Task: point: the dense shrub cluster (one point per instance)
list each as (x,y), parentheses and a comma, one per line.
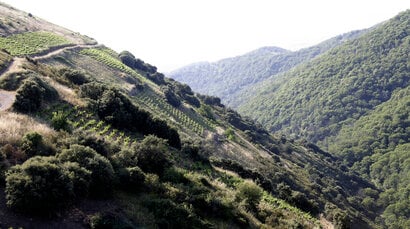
(40,185)
(129,59)
(32,93)
(72,76)
(153,155)
(102,173)
(32,144)
(211,100)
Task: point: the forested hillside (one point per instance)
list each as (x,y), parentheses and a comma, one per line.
(92,138)
(353,101)
(232,78)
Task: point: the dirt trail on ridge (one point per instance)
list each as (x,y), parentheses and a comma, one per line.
(7,97)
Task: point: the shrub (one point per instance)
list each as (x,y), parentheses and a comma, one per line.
(102,173)
(171,97)
(191,99)
(101,146)
(59,121)
(32,93)
(157,78)
(127,58)
(108,220)
(125,158)
(171,215)
(12,81)
(38,186)
(4,165)
(92,90)
(131,178)
(32,144)
(152,155)
(250,192)
(80,177)
(74,76)
(161,129)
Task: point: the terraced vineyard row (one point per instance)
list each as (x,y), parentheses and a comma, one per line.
(190,122)
(108,57)
(85,121)
(31,42)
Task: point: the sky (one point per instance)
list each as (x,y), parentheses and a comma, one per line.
(172,33)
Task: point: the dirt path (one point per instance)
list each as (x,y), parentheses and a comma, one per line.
(6,99)
(60,50)
(15,66)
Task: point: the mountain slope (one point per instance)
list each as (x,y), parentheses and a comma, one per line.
(353,101)
(230,78)
(341,85)
(96,138)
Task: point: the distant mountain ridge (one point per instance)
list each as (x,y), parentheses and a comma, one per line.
(230,78)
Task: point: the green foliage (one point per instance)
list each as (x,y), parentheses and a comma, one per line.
(31,42)
(171,97)
(39,186)
(59,121)
(250,192)
(32,93)
(153,155)
(231,78)
(5,59)
(131,178)
(171,215)
(32,144)
(102,173)
(12,81)
(230,134)
(129,59)
(72,76)
(316,99)
(108,220)
(106,56)
(116,109)
(79,176)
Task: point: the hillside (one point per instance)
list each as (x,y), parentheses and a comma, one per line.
(231,78)
(353,102)
(91,138)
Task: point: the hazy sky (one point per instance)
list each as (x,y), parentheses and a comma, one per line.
(173,33)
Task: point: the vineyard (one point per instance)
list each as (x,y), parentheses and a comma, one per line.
(31,42)
(150,100)
(80,119)
(110,58)
(189,121)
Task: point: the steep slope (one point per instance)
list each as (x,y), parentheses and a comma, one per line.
(230,78)
(353,101)
(340,86)
(96,139)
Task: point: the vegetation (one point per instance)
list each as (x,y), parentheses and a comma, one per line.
(32,93)
(353,105)
(231,78)
(31,42)
(131,148)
